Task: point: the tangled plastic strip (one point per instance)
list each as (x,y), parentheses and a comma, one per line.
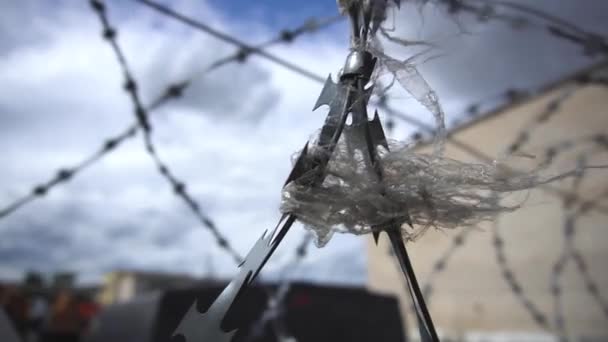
(436,191)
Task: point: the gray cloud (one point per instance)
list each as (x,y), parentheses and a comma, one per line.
(64,97)
(479,61)
(230,137)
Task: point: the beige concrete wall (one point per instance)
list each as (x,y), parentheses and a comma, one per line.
(471,295)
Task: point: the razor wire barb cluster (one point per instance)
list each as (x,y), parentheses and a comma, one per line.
(175,90)
(142,114)
(574,205)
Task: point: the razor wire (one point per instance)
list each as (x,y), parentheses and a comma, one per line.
(458,241)
(174,91)
(393,113)
(272,313)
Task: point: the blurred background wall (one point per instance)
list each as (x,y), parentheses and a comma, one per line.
(470,293)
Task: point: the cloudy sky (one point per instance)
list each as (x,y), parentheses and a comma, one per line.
(232,135)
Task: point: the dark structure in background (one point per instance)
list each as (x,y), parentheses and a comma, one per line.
(312,314)
(7,331)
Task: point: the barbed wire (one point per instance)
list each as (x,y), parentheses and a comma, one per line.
(516,288)
(523,137)
(393,113)
(131,88)
(516,96)
(558,267)
(172,92)
(175,91)
(590,283)
(65,174)
(442,262)
(458,241)
(567,249)
(243,46)
(551,109)
(275,301)
(591,43)
(569,252)
(598,141)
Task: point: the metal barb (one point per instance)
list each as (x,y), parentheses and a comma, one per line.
(308,168)
(207,328)
(347,97)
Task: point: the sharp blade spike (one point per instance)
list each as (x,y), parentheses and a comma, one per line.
(328,93)
(377,132)
(197,327)
(376,236)
(300,167)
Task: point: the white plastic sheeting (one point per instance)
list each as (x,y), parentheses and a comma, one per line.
(435,191)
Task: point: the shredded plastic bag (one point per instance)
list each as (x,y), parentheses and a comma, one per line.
(434,191)
(428,190)
(411,80)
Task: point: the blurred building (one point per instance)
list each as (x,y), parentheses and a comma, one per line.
(309,313)
(122,286)
(470,296)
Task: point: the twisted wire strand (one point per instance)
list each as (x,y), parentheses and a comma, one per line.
(312,76)
(515,285)
(198,25)
(571,253)
(551,152)
(172,92)
(528,16)
(178,186)
(569,224)
(568,231)
(441,264)
(66,174)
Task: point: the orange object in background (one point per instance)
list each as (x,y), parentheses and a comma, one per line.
(64,316)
